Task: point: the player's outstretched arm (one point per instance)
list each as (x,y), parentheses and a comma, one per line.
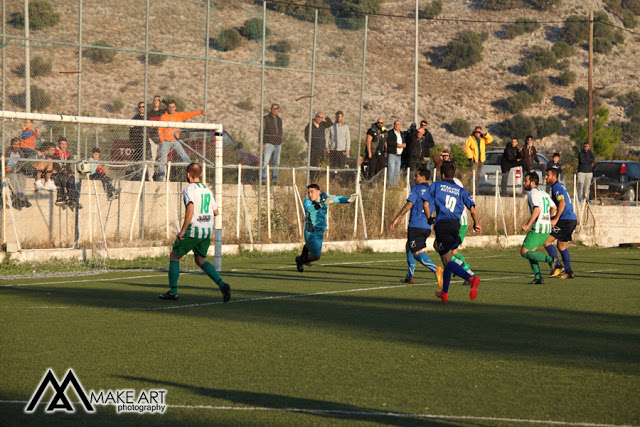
(336,199)
(474,216)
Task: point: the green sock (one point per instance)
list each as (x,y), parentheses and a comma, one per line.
(533,258)
(212,272)
(174,273)
(537,256)
(459,259)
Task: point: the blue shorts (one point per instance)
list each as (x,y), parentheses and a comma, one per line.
(417,239)
(447,235)
(314,243)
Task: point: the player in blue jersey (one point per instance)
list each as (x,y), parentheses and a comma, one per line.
(449,200)
(315,214)
(419,229)
(563,224)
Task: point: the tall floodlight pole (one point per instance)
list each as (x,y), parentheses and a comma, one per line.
(415,72)
(591,80)
(27,61)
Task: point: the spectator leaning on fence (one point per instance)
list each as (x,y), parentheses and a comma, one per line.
(475,149)
(64,177)
(376,147)
(271,142)
(427,143)
(29,134)
(586,159)
(168,136)
(511,158)
(338,139)
(16,179)
(395,146)
(154,113)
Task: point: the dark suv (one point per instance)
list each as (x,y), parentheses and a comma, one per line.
(616,179)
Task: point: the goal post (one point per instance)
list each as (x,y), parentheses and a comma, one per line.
(49,227)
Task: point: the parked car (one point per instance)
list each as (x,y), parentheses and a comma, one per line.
(616,179)
(487,180)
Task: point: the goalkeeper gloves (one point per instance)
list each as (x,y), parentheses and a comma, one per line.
(353,197)
(331,200)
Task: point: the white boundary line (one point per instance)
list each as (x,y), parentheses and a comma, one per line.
(371,414)
(83,280)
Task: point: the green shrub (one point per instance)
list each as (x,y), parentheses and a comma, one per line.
(538,84)
(501,4)
(40,99)
(252,29)
(463,52)
(631,97)
(228,39)
(38,67)
(551,125)
(283,46)
(156,58)
(631,130)
(605,137)
(116,105)
(351,12)
(519,102)
(98,54)
(576,29)
(629,20)
(617,38)
(602,45)
(614,5)
(432,10)
(632,6)
(282,60)
(41,15)
(581,99)
(518,126)
(562,49)
(545,57)
(461,128)
(545,4)
(521,26)
(564,65)
(246,104)
(634,111)
(308,11)
(529,66)
(459,158)
(567,77)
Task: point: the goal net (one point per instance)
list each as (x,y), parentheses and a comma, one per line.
(123,214)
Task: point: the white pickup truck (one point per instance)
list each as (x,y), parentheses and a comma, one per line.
(487,180)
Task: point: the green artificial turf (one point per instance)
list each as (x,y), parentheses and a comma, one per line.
(342,343)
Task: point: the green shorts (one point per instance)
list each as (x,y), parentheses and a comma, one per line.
(188,244)
(533,240)
(463,232)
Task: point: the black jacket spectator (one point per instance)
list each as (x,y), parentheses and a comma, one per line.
(585,161)
(272,128)
(392,143)
(511,157)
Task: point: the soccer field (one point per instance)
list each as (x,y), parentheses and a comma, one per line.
(343,343)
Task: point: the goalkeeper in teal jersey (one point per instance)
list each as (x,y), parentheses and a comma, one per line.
(315,222)
(195,234)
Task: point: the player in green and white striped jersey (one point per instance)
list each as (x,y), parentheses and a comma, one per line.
(539,225)
(195,235)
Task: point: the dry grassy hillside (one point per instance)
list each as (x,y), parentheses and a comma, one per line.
(234,82)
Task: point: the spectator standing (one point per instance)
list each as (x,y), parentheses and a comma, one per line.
(153,137)
(319,126)
(415,149)
(475,150)
(338,139)
(16,179)
(64,177)
(376,147)
(98,174)
(511,158)
(168,136)
(28,135)
(586,159)
(427,143)
(272,134)
(555,164)
(439,160)
(529,153)
(395,145)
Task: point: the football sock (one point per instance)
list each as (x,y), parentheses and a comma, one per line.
(456,269)
(537,256)
(459,259)
(446,280)
(566,259)
(551,250)
(411,262)
(305,251)
(174,273)
(426,261)
(212,272)
(536,268)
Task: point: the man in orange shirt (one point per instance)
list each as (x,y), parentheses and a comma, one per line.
(168,136)
(28,136)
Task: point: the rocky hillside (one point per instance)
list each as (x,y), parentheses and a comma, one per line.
(475,94)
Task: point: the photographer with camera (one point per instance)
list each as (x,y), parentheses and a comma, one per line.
(474,149)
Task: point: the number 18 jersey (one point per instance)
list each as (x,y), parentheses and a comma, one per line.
(448,199)
(201,225)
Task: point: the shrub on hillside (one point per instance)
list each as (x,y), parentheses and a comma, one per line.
(602,45)
(529,66)
(461,128)
(98,54)
(283,46)
(38,67)
(539,59)
(581,99)
(156,58)
(631,97)
(501,4)
(432,10)
(538,84)
(567,77)
(228,39)
(252,29)
(550,126)
(518,126)
(562,49)
(351,12)
(463,52)
(308,11)
(282,60)
(41,15)
(634,111)
(575,29)
(631,130)
(519,102)
(40,99)
(116,105)
(629,20)
(521,26)
(632,6)
(545,4)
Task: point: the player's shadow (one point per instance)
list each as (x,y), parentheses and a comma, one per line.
(319,408)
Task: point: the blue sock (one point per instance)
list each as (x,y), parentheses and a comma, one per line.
(446,279)
(551,250)
(411,262)
(456,269)
(426,261)
(566,259)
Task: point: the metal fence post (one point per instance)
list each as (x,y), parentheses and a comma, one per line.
(261,134)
